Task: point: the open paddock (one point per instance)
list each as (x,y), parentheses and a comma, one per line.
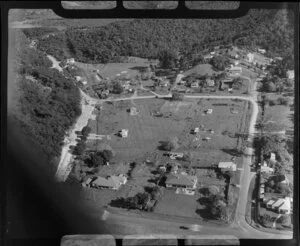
(178,118)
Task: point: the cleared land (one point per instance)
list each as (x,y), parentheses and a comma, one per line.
(178,119)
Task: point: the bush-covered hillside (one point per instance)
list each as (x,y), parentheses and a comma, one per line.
(270,29)
(48,102)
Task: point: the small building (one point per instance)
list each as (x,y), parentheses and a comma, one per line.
(78,78)
(278,58)
(290,74)
(262,51)
(209,111)
(70,61)
(250,57)
(266,169)
(195,84)
(196,130)
(182,181)
(175,155)
(124,133)
(110,182)
(84,82)
(229,166)
(133,111)
(272,157)
(210,82)
(207,57)
(212,53)
(234,70)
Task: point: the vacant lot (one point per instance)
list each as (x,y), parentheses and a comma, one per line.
(201,69)
(178,205)
(280,114)
(111,70)
(177,120)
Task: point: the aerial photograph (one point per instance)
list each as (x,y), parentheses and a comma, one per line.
(180,127)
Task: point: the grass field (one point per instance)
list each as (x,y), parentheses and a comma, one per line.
(146,131)
(201,69)
(178,205)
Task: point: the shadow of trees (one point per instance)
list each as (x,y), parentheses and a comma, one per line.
(233,152)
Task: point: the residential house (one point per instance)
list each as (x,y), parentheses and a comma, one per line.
(124,133)
(70,61)
(227,166)
(234,70)
(278,58)
(78,78)
(195,84)
(280,205)
(265,169)
(290,74)
(250,57)
(175,155)
(182,181)
(84,82)
(207,57)
(209,111)
(196,130)
(262,51)
(110,182)
(210,82)
(133,111)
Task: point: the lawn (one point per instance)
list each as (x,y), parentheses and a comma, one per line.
(280,114)
(201,69)
(146,131)
(178,205)
(110,70)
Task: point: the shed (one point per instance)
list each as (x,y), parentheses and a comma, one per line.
(227,166)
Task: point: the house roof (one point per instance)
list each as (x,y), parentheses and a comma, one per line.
(278,203)
(226,164)
(181,179)
(111,181)
(286,205)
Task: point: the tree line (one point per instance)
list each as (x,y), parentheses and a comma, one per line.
(150,38)
(49,102)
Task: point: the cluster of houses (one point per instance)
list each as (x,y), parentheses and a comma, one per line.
(278,204)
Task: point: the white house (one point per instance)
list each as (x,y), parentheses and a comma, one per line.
(182,181)
(133,111)
(195,84)
(272,157)
(280,205)
(110,182)
(175,155)
(84,82)
(227,166)
(250,57)
(290,74)
(262,51)
(210,82)
(265,169)
(78,78)
(124,133)
(70,61)
(196,130)
(209,111)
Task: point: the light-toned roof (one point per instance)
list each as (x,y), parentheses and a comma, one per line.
(226,164)
(180,179)
(286,205)
(278,203)
(112,182)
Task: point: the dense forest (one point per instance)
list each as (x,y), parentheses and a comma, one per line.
(147,38)
(48,102)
